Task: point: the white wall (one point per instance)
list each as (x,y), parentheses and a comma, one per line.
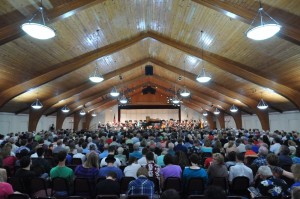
(288,121)
(190,114)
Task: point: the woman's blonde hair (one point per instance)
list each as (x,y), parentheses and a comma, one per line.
(6,150)
(230,144)
(92,160)
(296,171)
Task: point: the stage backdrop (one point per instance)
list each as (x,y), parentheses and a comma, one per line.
(141,114)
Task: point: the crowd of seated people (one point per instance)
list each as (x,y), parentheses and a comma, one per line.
(268,161)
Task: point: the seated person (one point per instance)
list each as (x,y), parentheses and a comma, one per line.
(170,194)
(110,160)
(214,192)
(141,186)
(61,170)
(194,171)
(90,168)
(170,170)
(217,168)
(109,186)
(24,173)
(269,185)
(240,169)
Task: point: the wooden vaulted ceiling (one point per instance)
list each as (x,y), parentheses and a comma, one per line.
(136,33)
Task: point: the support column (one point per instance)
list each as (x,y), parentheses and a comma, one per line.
(87,122)
(34,117)
(263,117)
(210,120)
(60,118)
(237,119)
(77,119)
(221,119)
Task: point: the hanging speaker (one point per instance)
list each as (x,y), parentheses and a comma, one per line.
(148,70)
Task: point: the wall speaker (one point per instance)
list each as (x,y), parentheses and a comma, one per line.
(148,70)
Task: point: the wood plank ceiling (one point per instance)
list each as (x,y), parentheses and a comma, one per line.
(162,33)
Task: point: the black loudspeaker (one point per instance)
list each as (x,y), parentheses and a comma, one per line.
(148,70)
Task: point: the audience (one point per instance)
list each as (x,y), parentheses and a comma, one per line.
(132,168)
(90,168)
(170,170)
(110,161)
(109,186)
(240,169)
(217,168)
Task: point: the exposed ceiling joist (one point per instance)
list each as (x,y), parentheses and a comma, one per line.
(13,31)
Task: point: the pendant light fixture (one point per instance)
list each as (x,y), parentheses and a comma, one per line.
(203,77)
(185,92)
(123,99)
(96,76)
(37,104)
(204,114)
(114,92)
(262,105)
(263,30)
(216,111)
(175,99)
(65,109)
(82,112)
(233,109)
(94,114)
(38,30)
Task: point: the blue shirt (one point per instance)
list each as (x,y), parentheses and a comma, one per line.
(141,186)
(194,173)
(136,154)
(104,171)
(104,154)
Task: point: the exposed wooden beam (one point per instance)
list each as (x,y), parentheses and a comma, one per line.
(13,31)
(94,97)
(233,67)
(86,85)
(67,67)
(288,32)
(215,87)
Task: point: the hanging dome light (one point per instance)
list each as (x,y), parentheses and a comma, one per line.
(82,112)
(37,104)
(263,31)
(233,109)
(185,92)
(123,99)
(216,112)
(262,105)
(175,100)
(204,114)
(94,114)
(38,30)
(203,77)
(114,92)
(96,76)
(65,109)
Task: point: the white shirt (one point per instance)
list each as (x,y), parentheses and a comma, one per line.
(240,170)
(131,170)
(79,155)
(142,161)
(241,148)
(275,148)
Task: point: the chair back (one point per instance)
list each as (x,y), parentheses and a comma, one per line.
(17,184)
(83,187)
(195,186)
(107,197)
(156,184)
(240,185)
(262,197)
(172,183)
(76,161)
(18,196)
(220,182)
(124,183)
(234,197)
(60,185)
(38,187)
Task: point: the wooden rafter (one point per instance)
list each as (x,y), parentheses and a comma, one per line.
(288,32)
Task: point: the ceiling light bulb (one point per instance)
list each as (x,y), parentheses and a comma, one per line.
(65,109)
(114,92)
(263,31)
(233,109)
(94,114)
(82,112)
(37,104)
(123,100)
(175,100)
(262,105)
(185,92)
(38,30)
(96,76)
(205,113)
(203,77)
(216,112)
